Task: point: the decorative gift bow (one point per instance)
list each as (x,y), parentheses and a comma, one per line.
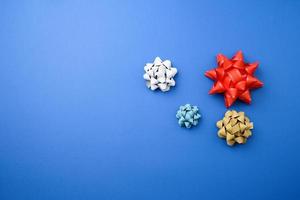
(234,77)
(160,74)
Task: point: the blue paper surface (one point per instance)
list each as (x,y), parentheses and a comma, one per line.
(78,122)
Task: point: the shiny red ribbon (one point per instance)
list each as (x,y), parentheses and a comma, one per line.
(234,78)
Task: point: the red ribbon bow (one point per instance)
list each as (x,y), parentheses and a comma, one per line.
(234,78)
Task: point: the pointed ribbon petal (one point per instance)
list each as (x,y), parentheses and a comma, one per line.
(217,88)
(212,74)
(238,56)
(250,69)
(253,82)
(246,97)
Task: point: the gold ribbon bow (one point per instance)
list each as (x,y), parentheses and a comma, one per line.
(235,127)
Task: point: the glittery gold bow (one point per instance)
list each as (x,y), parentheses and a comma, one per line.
(235,127)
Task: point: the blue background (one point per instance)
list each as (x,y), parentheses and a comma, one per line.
(77,121)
